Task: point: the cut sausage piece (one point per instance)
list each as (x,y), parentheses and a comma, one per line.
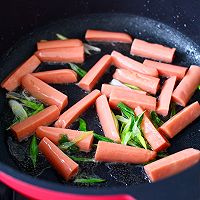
(13,80)
(44,92)
(106,119)
(132,100)
(63,55)
(107,89)
(55,134)
(95,73)
(27,127)
(107,36)
(124,62)
(64,165)
(59,44)
(112,152)
(165,96)
(151,134)
(144,82)
(172,164)
(69,116)
(182,119)
(59,76)
(152,51)
(187,86)
(167,70)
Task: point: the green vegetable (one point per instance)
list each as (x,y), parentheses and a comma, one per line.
(89,180)
(18,110)
(173,109)
(78,70)
(132,86)
(115,120)
(162,154)
(125,110)
(82,125)
(79,159)
(89,48)
(68,146)
(102,138)
(126,133)
(33,150)
(155,119)
(40,108)
(122,119)
(199,87)
(61,37)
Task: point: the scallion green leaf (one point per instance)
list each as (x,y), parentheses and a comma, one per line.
(61,37)
(115,120)
(199,87)
(89,180)
(156,120)
(132,86)
(102,138)
(33,150)
(173,109)
(89,48)
(125,110)
(78,70)
(82,125)
(79,159)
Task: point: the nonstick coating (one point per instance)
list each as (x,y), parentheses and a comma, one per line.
(139,27)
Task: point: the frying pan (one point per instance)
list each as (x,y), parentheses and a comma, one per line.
(172,23)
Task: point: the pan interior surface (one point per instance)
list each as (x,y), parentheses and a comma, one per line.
(15,154)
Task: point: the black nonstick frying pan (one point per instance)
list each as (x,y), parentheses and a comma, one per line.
(171,23)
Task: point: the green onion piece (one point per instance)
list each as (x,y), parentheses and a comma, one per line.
(125,110)
(68,146)
(82,125)
(18,110)
(79,159)
(199,87)
(115,120)
(102,138)
(162,154)
(78,70)
(156,120)
(132,86)
(89,180)
(40,108)
(122,119)
(173,109)
(33,150)
(63,139)
(89,48)
(61,37)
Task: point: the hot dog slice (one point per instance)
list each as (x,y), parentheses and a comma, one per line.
(65,55)
(154,138)
(132,100)
(59,44)
(64,165)
(106,119)
(152,51)
(144,82)
(124,62)
(182,119)
(26,128)
(165,96)
(172,164)
(167,70)
(55,134)
(44,92)
(107,89)
(57,76)
(69,116)
(112,152)
(187,86)
(107,36)
(95,73)
(13,80)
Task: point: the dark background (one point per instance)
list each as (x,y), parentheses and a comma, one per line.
(19,17)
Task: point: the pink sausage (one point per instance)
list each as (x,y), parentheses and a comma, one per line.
(151,134)
(54,134)
(106,119)
(132,100)
(95,73)
(124,62)
(107,89)
(107,36)
(13,80)
(167,70)
(172,164)
(144,82)
(69,116)
(59,76)
(187,86)
(179,121)
(44,92)
(152,51)
(165,96)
